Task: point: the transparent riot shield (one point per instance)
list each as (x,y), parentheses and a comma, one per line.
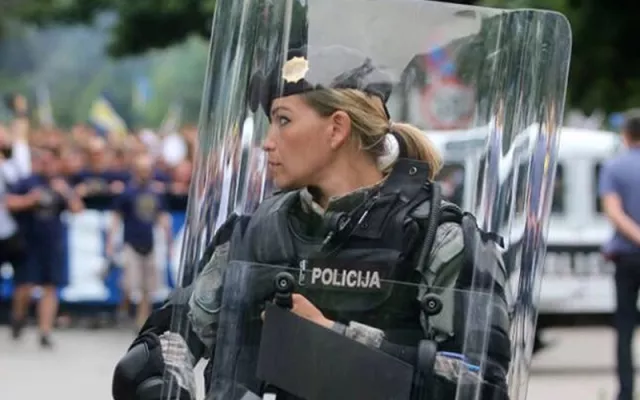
(290,333)
(493,79)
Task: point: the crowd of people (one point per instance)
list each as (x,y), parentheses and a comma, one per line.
(46,171)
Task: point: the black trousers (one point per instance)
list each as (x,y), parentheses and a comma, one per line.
(627,280)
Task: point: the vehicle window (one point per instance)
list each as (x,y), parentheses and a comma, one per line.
(480,180)
(559,191)
(596,180)
(451,179)
(521,187)
(503,196)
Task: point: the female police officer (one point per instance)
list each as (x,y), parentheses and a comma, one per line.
(358,197)
(381,290)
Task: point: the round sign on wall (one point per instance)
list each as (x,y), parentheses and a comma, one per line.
(448,104)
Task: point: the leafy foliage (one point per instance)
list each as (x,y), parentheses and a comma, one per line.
(605,68)
(71,63)
(142,24)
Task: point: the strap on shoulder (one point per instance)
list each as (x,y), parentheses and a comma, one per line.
(432,223)
(450,212)
(223,235)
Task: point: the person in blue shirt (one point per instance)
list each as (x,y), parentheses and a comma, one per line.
(122,158)
(99,182)
(619,188)
(138,210)
(42,198)
(15,164)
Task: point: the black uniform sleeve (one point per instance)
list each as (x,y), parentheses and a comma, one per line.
(138,375)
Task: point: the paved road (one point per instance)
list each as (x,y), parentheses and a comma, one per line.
(578,366)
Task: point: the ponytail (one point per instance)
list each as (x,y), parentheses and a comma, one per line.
(418,147)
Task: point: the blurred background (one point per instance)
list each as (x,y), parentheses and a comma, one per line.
(90,87)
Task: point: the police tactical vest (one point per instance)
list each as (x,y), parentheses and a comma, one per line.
(346,270)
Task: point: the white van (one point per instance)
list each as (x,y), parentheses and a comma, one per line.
(577,280)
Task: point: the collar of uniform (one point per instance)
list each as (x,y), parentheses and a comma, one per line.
(344,203)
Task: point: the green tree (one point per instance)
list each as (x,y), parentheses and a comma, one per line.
(605,64)
(178,75)
(605,67)
(142,24)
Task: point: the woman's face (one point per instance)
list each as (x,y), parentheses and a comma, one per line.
(300,143)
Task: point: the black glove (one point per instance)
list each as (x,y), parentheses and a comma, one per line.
(139,374)
(140,371)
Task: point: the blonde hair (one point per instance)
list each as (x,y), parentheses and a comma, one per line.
(369,125)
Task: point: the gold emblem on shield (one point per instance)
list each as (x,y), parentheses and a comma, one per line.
(295,69)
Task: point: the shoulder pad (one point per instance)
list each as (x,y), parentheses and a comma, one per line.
(281,191)
(223,235)
(224,232)
(270,216)
(275,202)
(485,236)
(272,205)
(481,255)
(450,212)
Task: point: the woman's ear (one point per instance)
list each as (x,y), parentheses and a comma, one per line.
(340,129)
